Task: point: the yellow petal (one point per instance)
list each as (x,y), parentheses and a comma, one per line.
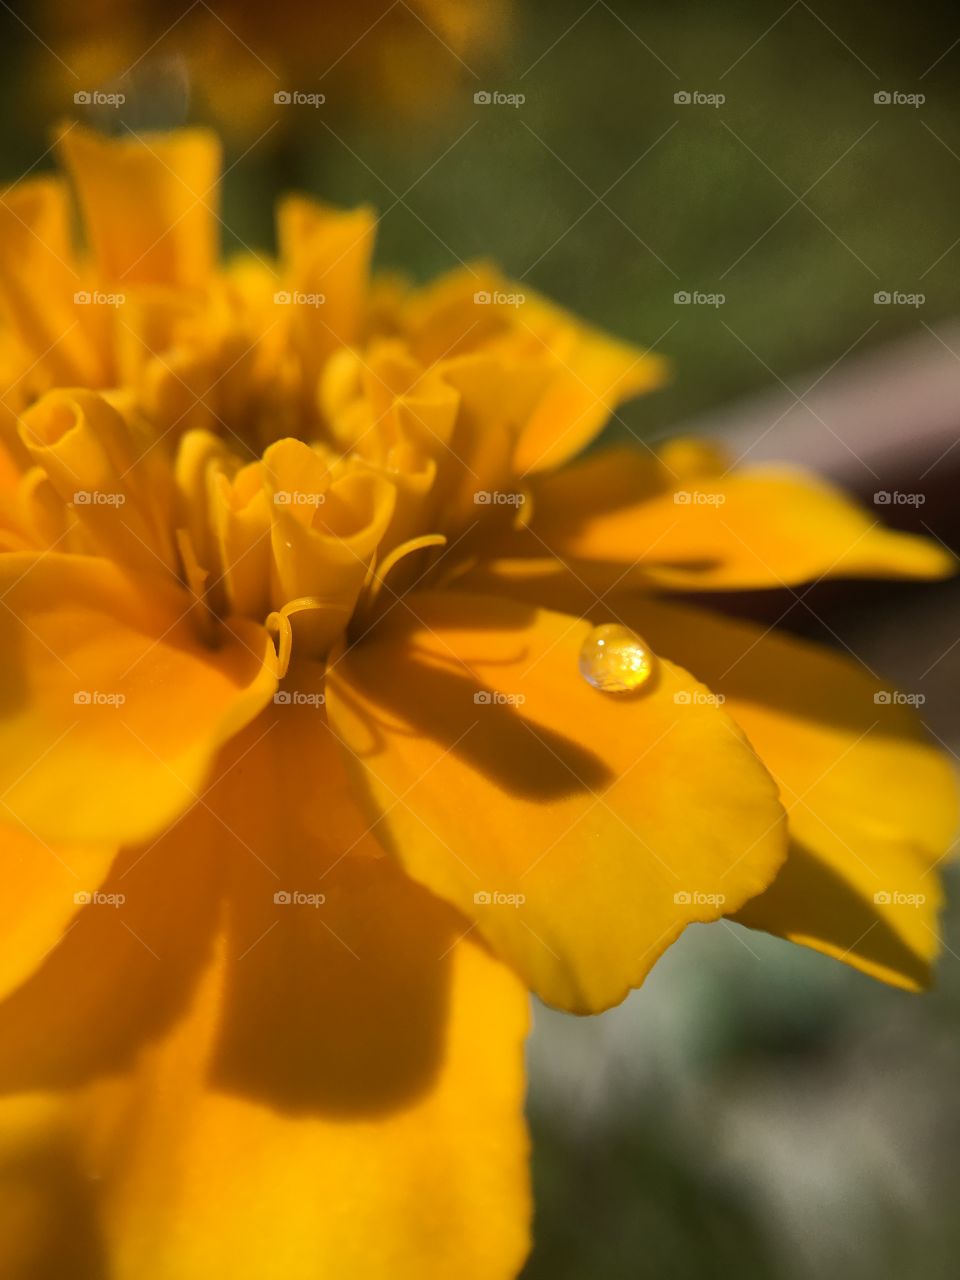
(325,258)
(592,378)
(582,830)
(47,1225)
(871,801)
(568,376)
(149,203)
(44,888)
(38,281)
(113,707)
(753,528)
(116,485)
(343,1093)
(324,536)
(359,1115)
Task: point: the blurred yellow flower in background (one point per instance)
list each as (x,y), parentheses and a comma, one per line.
(374,56)
(309,766)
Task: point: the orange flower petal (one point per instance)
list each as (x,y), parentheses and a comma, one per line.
(346,1080)
(44,887)
(149,203)
(757,527)
(871,801)
(113,707)
(583,831)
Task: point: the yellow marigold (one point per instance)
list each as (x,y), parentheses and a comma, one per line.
(245,60)
(342,708)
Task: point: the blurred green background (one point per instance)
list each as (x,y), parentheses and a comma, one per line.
(755,1110)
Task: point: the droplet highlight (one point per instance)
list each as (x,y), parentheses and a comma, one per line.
(614,659)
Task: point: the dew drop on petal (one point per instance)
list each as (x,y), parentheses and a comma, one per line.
(615,660)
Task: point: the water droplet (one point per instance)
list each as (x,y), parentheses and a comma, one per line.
(615,660)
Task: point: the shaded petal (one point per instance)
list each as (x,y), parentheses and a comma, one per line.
(47,1214)
(871,801)
(38,282)
(645,519)
(592,379)
(43,890)
(402,1153)
(113,708)
(325,253)
(342,1093)
(149,203)
(582,830)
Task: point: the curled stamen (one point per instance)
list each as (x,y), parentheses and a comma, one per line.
(378,577)
(278,624)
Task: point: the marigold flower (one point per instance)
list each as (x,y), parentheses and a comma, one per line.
(246,61)
(344,707)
